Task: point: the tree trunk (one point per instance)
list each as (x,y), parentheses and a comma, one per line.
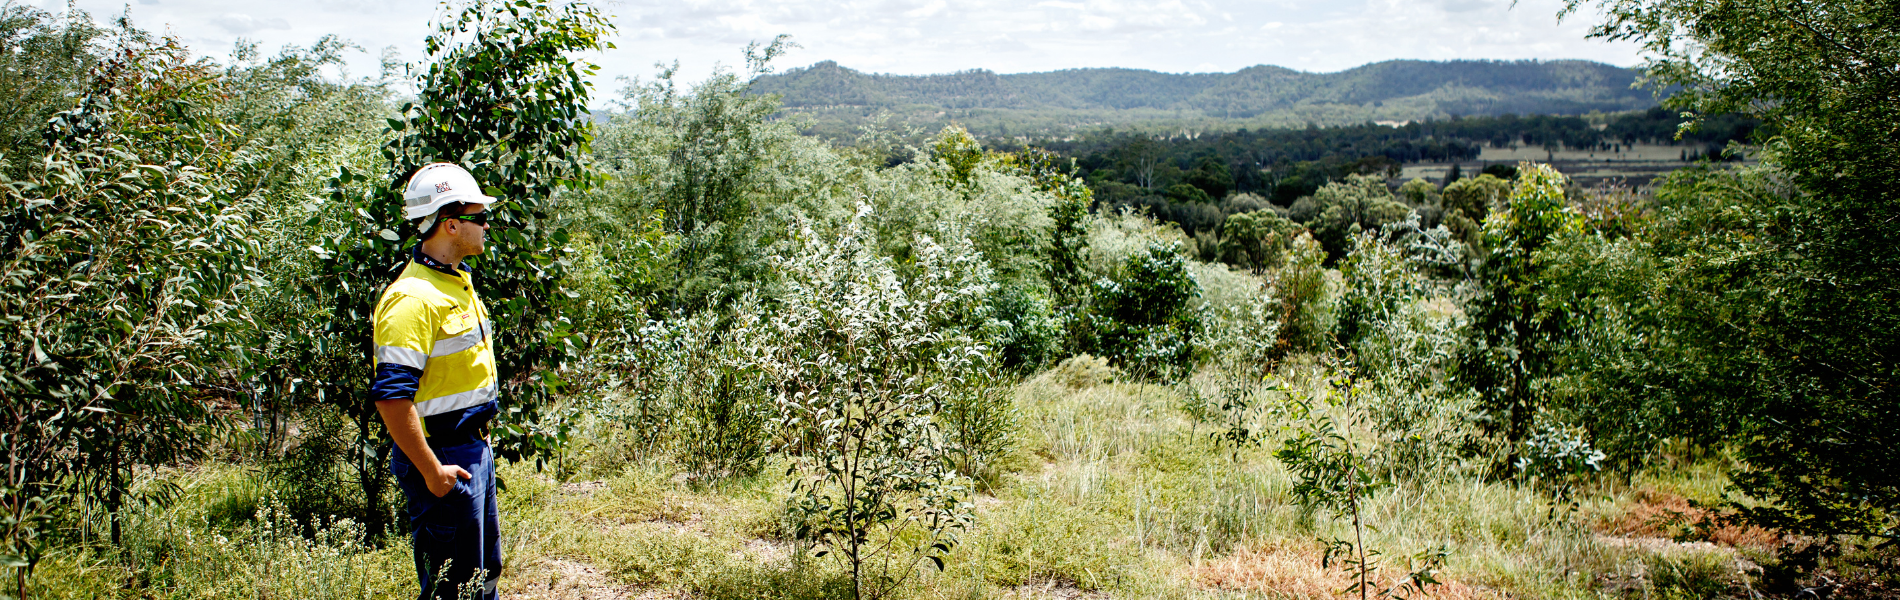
(370,456)
(115,488)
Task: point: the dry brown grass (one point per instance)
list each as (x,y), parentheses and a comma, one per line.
(1653,513)
(1296,572)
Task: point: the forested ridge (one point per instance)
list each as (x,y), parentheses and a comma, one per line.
(739,358)
(1059,102)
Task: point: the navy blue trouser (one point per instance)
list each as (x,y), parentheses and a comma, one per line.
(461,528)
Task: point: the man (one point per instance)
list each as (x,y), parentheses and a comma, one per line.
(436,387)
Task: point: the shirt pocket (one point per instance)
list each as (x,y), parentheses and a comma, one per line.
(459,323)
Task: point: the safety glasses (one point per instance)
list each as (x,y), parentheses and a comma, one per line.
(480,218)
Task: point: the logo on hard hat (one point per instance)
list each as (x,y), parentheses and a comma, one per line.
(441,187)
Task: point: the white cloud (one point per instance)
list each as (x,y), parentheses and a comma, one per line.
(242,24)
(938,36)
(927,10)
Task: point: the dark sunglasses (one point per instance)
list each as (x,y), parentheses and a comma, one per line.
(480,218)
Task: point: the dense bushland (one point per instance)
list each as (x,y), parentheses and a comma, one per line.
(931,370)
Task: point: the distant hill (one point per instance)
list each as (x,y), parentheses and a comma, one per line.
(838,99)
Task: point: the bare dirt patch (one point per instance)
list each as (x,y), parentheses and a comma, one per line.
(1050,588)
(562,579)
(583,488)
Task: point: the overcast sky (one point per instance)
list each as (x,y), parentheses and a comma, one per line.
(940,36)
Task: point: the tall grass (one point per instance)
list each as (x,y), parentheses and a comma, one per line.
(1114,488)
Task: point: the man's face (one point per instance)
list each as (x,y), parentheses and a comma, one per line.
(467,236)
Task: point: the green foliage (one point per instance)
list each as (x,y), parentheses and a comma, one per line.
(1308,302)
(958,154)
(1141,318)
(311,479)
(1236,411)
(1380,285)
(1238,315)
(43,60)
(1418,192)
(1557,458)
(1065,257)
(1513,334)
(508,104)
(1468,202)
(704,160)
(980,423)
(1343,209)
(122,253)
(501,99)
(693,384)
(1787,297)
(1257,240)
(860,360)
(1334,472)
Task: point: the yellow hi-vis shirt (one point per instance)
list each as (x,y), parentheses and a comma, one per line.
(433,321)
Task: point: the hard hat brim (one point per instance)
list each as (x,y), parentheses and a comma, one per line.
(437,202)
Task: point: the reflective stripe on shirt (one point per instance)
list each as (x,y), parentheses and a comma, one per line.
(407,357)
(451,402)
(466,340)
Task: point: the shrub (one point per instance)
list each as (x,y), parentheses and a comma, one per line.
(1307,298)
(1239,320)
(1513,335)
(1142,316)
(1359,203)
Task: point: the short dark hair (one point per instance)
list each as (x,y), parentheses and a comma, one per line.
(439,219)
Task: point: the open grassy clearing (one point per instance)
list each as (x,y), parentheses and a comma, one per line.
(1114,491)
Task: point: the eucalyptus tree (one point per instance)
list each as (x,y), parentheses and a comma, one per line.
(501,97)
(124,249)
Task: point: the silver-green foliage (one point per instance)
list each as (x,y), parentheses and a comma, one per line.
(718,172)
(860,359)
(693,386)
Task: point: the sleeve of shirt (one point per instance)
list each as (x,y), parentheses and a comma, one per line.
(404,336)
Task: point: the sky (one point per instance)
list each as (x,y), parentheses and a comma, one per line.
(915,37)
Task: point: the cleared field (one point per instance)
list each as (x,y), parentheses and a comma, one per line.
(1636,165)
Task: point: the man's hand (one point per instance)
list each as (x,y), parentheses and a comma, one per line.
(406,429)
(445,480)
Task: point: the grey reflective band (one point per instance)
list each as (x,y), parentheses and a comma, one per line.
(468,339)
(397,355)
(452,402)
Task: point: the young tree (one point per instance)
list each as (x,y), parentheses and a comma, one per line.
(501,98)
(860,361)
(42,61)
(1360,203)
(1512,332)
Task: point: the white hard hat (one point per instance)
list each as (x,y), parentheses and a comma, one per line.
(438,185)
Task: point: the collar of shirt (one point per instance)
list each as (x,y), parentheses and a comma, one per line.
(432,263)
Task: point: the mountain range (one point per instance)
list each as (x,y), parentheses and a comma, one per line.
(835,99)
